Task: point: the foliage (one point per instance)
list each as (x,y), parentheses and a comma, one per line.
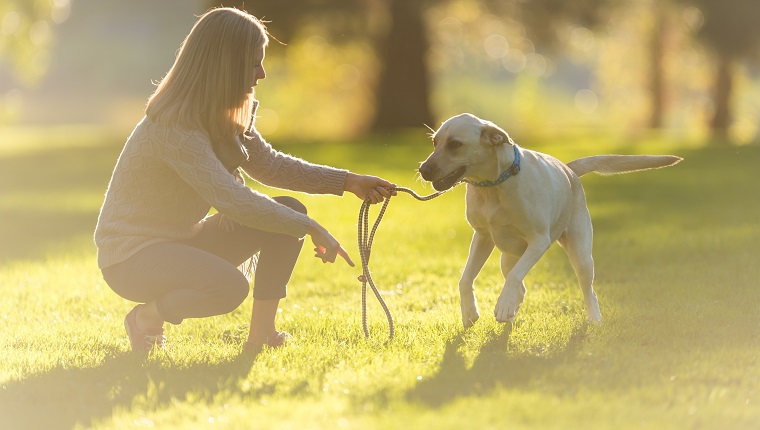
(544,19)
(400,36)
(26,34)
(677,276)
(730,26)
(731,32)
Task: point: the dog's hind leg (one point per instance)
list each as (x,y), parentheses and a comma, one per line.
(480,249)
(577,242)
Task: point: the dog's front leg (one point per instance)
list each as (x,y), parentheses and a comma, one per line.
(480,249)
(512,294)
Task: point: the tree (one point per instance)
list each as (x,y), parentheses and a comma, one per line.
(657,73)
(26,28)
(659,43)
(402,94)
(732,34)
(543,18)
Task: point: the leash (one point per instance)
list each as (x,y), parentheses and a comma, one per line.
(366,236)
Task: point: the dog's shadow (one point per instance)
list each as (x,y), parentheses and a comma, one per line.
(493,367)
(66,397)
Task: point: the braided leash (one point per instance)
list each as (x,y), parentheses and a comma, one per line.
(366,237)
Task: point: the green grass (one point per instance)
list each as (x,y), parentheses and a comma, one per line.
(676,252)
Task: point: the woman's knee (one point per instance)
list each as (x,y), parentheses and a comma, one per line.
(213,293)
(292,203)
(235,291)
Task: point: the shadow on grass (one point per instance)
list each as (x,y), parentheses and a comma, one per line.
(67,397)
(493,368)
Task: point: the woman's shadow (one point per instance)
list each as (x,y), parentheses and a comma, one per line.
(65,397)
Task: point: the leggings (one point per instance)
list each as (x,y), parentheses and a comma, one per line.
(199,277)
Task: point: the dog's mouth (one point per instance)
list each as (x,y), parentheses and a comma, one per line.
(449,180)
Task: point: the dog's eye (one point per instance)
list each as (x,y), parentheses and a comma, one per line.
(453,144)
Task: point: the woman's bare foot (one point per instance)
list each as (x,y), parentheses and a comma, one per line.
(273,340)
(262,331)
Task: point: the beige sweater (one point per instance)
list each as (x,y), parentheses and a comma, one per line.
(166,180)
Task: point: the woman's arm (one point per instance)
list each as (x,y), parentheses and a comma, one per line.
(280,170)
(192,159)
(277,169)
(202,171)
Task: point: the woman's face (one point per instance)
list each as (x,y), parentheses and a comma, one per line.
(258,71)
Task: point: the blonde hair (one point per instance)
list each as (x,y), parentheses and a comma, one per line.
(210,85)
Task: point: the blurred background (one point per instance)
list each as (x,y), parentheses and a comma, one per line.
(682,69)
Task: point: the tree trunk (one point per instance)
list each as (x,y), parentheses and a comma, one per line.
(722,90)
(657,70)
(403,90)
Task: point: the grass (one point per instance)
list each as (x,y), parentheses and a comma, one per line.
(677,276)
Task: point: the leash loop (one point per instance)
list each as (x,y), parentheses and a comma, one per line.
(366,237)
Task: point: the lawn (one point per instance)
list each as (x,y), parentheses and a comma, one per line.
(678,277)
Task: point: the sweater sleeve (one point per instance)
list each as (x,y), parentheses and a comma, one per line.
(280,170)
(192,159)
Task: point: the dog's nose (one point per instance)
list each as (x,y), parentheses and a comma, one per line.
(426,170)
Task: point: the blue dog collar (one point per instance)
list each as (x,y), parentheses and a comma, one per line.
(513,170)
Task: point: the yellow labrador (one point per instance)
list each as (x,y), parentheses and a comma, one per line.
(521,202)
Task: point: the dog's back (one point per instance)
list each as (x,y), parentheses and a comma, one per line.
(615,164)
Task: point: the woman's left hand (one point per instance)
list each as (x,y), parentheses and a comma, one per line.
(369,187)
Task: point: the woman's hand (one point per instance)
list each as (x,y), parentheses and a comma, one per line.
(369,187)
(325,245)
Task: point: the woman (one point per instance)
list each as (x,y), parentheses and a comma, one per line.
(156,244)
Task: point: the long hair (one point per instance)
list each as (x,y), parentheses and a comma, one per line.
(210,85)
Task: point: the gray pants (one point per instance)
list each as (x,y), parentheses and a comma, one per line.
(199,277)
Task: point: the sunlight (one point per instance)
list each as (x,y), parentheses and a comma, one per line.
(675,250)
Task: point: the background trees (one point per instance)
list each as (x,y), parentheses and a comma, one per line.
(400,38)
(351,66)
(26,35)
(397,31)
(732,34)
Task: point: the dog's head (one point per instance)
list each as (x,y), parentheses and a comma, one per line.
(464,145)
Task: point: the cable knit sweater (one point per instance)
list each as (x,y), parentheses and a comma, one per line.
(166,180)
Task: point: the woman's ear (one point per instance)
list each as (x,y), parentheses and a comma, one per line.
(492,135)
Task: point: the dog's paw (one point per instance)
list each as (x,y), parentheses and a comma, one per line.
(594,315)
(505,313)
(470,313)
(508,304)
(592,308)
(469,319)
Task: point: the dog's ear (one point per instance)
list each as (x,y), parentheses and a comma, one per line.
(493,135)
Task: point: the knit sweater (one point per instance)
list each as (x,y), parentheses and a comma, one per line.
(167,179)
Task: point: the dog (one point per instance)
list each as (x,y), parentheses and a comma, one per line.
(520,201)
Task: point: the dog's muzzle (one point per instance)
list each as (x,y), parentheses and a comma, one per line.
(428,172)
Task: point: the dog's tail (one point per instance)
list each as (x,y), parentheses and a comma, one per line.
(614,164)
